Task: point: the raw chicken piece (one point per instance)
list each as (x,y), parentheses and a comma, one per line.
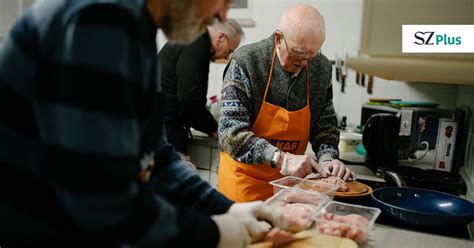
(279,237)
(316,186)
(306,198)
(351,226)
(340,183)
(298,216)
(353,219)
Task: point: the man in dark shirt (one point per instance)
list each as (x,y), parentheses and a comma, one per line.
(185,73)
(79,109)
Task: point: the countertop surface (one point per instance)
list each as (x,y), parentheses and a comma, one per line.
(381,235)
(386,236)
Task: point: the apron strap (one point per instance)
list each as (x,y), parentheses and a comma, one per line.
(270,74)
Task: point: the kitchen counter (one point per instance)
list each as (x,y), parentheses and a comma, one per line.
(386,236)
(397,236)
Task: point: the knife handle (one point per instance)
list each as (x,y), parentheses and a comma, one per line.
(370,84)
(343,83)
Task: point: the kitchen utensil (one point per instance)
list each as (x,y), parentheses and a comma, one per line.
(362,79)
(357,78)
(370,84)
(383,100)
(344,74)
(343,83)
(415,104)
(311,238)
(423,208)
(338,68)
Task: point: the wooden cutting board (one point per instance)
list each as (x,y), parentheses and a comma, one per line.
(356,189)
(311,238)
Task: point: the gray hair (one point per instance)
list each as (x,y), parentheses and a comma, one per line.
(231,27)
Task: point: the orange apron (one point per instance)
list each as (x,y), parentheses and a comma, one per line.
(287,130)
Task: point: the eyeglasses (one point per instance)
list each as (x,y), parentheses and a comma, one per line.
(297,55)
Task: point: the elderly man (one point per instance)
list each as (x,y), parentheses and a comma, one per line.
(185,73)
(276,97)
(82,163)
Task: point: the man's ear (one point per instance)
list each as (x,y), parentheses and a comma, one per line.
(278,38)
(221,37)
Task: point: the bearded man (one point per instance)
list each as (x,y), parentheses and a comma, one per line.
(82,162)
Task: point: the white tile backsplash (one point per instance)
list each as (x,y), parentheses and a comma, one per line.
(350,98)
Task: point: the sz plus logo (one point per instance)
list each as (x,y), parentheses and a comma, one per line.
(438,38)
(426,38)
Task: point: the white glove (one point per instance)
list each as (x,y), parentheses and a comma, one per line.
(336,168)
(232,232)
(246,222)
(258,211)
(296,165)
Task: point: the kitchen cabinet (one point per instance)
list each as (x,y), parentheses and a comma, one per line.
(381,42)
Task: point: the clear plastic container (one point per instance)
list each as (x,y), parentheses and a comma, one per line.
(298,207)
(346,220)
(290,182)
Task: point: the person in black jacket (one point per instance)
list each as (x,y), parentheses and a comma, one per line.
(82,163)
(185,73)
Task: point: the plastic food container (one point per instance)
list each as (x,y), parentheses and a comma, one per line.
(299,208)
(290,182)
(346,220)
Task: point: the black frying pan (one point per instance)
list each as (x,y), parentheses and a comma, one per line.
(424,208)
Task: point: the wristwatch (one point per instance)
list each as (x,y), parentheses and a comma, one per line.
(275,158)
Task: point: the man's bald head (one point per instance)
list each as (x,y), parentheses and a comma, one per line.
(301,22)
(301,33)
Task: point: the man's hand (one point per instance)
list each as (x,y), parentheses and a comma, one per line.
(245,222)
(295,165)
(334,167)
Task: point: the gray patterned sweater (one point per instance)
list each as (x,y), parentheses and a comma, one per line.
(242,95)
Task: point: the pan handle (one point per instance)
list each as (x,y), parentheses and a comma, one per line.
(397,178)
